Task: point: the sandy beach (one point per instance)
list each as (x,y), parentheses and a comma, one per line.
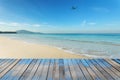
(10,48)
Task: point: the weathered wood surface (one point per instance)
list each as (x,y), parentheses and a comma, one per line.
(59,69)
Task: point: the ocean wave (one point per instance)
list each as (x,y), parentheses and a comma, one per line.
(85,41)
(100,42)
(84,53)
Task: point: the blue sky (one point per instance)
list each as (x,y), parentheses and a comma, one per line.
(57,16)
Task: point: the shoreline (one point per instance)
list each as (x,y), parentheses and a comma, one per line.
(11,48)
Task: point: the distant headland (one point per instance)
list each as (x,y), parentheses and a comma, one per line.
(19,32)
(7,32)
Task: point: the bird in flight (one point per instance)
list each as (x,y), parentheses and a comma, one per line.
(74,7)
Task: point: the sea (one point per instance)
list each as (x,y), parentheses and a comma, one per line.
(91,45)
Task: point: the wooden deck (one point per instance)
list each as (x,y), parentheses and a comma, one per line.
(60,69)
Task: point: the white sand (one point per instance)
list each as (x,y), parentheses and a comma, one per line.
(10,48)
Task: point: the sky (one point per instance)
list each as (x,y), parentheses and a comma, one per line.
(57,16)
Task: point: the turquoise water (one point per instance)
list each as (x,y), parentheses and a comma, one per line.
(93,45)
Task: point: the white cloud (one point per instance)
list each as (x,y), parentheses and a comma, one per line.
(85,23)
(37,25)
(92,23)
(16,24)
(101,9)
(13,24)
(112,24)
(2,23)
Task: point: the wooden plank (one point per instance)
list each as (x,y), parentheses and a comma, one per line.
(101,69)
(56,70)
(45,70)
(61,69)
(22,70)
(72,70)
(116,60)
(84,70)
(9,68)
(28,70)
(11,71)
(39,70)
(96,71)
(50,72)
(80,75)
(3,62)
(7,63)
(107,69)
(111,68)
(67,70)
(90,71)
(17,69)
(33,71)
(114,64)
